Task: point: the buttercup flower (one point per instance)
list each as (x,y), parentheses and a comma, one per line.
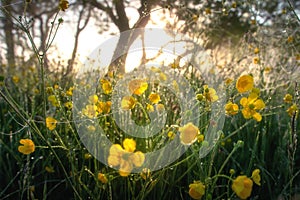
(146,173)
(28,146)
(69,92)
(233,5)
(90,111)
(63,5)
(231,108)
(175,64)
(51,123)
(256,176)
(162,76)
(106,86)
(93,99)
(207,11)
(256,60)
(154,98)
(251,105)
(290,39)
(171,135)
(228,81)
(103,107)
(160,107)
(125,158)
(149,108)
(102,178)
(128,102)
(49,169)
(53,100)
(200,138)
(256,50)
(15,79)
(210,94)
(69,105)
(288,98)
(188,133)
(137,86)
(293,109)
(242,186)
(197,190)
(244,83)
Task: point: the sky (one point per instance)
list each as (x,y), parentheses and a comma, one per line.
(90,39)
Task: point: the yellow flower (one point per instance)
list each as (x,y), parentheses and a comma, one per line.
(195,17)
(199,97)
(228,81)
(162,76)
(56,86)
(160,107)
(244,83)
(128,102)
(233,5)
(256,60)
(175,86)
(171,135)
(154,98)
(292,110)
(188,133)
(93,99)
(288,98)
(63,5)
(210,94)
(242,186)
(149,107)
(90,111)
(103,107)
(250,105)
(155,69)
(146,173)
(255,90)
(125,158)
(69,105)
(267,69)
(87,156)
(129,145)
(69,92)
(49,169)
(207,11)
(28,146)
(51,123)
(253,21)
(290,39)
(256,50)
(91,128)
(175,64)
(15,79)
(197,190)
(200,138)
(53,100)
(102,178)
(231,108)
(256,176)
(106,86)
(137,86)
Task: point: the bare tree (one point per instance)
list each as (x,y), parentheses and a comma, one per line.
(115,10)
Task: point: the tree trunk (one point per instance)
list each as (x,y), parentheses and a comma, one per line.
(9,39)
